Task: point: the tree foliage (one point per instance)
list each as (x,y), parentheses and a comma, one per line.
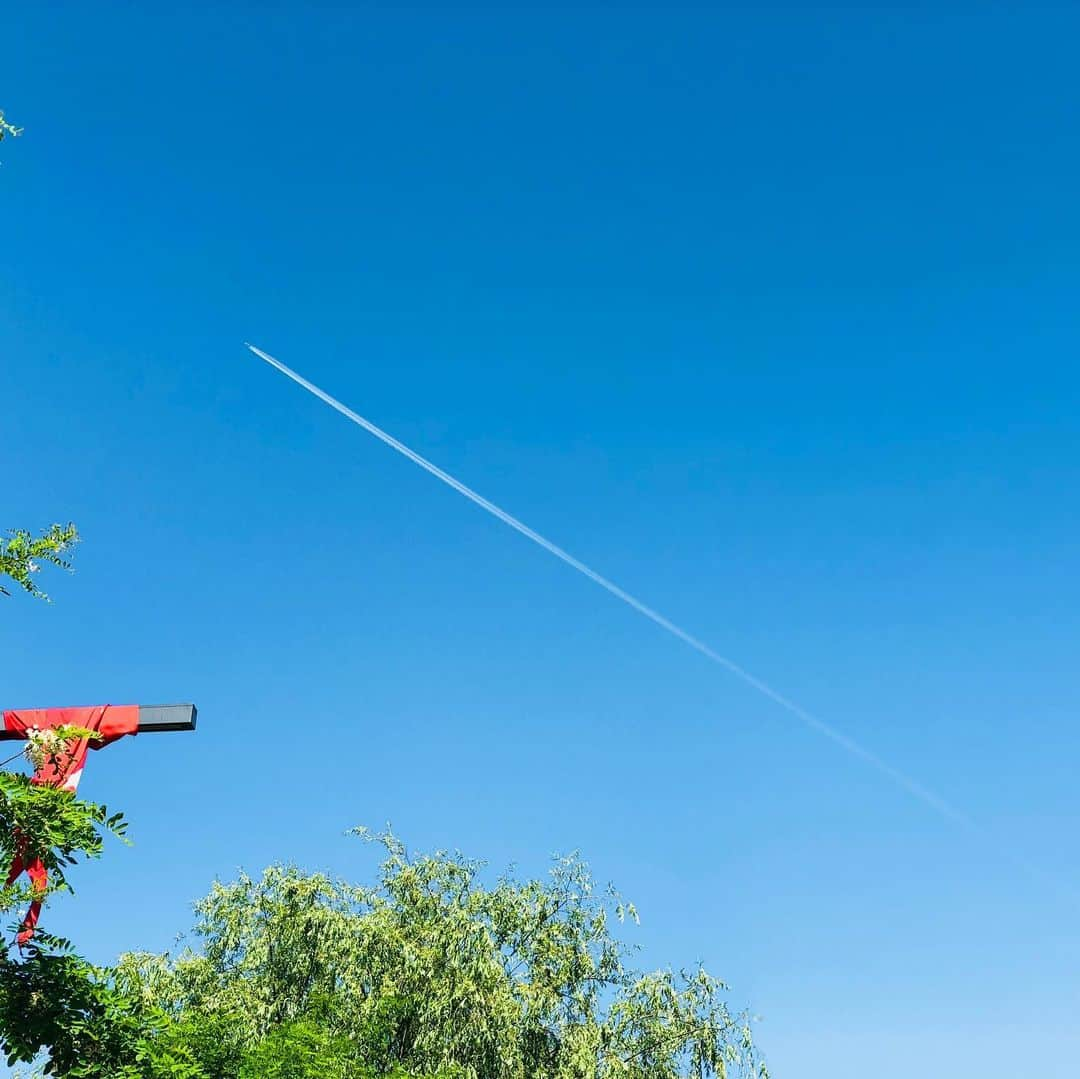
(42,822)
(430,972)
(50,999)
(8,128)
(22,554)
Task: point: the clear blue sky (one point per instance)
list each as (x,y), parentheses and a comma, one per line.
(768,314)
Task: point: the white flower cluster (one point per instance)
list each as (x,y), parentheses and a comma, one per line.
(41,745)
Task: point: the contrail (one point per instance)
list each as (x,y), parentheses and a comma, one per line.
(912,786)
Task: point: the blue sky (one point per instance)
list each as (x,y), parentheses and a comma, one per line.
(769,314)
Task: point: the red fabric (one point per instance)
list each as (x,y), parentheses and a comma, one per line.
(39,881)
(112,722)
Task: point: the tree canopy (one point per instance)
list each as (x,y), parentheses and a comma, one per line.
(431,972)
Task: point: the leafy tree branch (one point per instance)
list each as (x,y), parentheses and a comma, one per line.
(22,555)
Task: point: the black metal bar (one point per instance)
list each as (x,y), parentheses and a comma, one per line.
(167,717)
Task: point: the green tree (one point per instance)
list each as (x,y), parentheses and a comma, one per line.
(427,974)
(431,972)
(50,999)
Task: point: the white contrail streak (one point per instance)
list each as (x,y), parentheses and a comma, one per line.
(838,737)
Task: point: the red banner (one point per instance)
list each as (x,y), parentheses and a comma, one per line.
(62,768)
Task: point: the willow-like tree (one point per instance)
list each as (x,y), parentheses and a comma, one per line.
(432,972)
